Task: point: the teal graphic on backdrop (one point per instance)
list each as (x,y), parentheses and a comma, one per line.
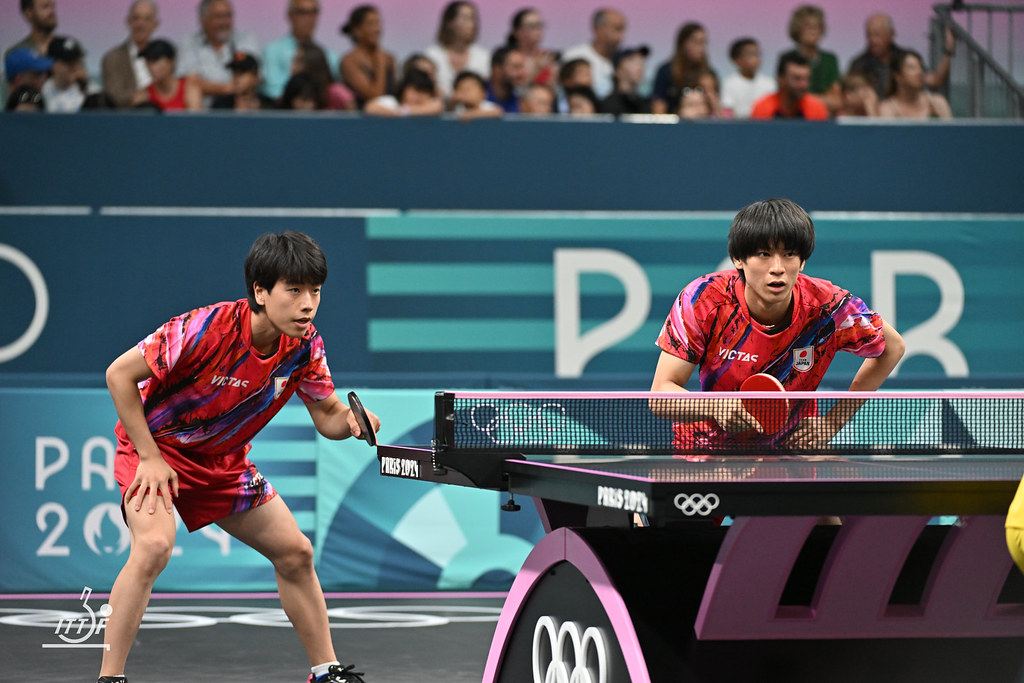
(512,299)
(577,295)
(62,521)
(63,529)
(398,534)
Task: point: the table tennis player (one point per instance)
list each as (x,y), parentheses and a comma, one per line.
(766,316)
(189,398)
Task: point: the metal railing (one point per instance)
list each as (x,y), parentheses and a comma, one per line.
(981,79)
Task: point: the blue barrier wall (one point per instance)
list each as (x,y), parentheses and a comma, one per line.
(332,161)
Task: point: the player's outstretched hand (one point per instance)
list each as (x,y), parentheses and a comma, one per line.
(812,432)
(733,418)
(153,478)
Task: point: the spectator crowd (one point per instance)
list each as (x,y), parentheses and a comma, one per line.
(221,67)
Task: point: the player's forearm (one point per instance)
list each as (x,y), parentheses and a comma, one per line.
(124,391)
(670,377)
(332,423)
(874,371)
(688,409)
(839,415)
(667,408)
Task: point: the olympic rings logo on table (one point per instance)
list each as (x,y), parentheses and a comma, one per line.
(696,503)
(516,423)
(576,669)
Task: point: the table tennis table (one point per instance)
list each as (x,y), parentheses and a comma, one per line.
(878,554)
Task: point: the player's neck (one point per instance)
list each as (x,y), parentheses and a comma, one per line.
(265,337)
(771,316)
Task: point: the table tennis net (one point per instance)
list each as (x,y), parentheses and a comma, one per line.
(912,423)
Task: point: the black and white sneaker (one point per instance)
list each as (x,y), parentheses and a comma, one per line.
(339,674)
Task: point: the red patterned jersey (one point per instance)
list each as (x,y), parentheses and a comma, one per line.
(709,325)
(211,392)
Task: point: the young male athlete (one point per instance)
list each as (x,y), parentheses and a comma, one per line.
(766,316)
(190,398)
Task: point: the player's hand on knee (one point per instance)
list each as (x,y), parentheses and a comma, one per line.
(154,478)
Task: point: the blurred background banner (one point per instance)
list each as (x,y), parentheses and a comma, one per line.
(440,299)
(63,530)
(62,525)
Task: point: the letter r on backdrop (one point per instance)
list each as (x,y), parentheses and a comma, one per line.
(927,338)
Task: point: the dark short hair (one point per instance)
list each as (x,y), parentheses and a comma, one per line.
(586,93)
(567,70)
(158,48)
(768,224)
(737,46)
(792,57)
(356,18)
(499,55)
(304,86)
(291,256)
(418,81)
(469,76)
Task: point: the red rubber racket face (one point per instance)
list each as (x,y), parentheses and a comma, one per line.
(771,414)
(364,421)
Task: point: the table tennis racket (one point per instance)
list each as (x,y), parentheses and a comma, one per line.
(362,419)
(771,414)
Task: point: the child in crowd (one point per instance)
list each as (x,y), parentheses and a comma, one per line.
(245,77)
(581,101)
(168,92)
(65,90)
(469,98)
(857,96)
(417,96)
(741,89)
(25,98)
(694,104)
(539,98)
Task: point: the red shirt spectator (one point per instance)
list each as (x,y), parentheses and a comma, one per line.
(792,100)
(808,107)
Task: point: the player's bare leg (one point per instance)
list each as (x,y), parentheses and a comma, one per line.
(271,529)
(152,539)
